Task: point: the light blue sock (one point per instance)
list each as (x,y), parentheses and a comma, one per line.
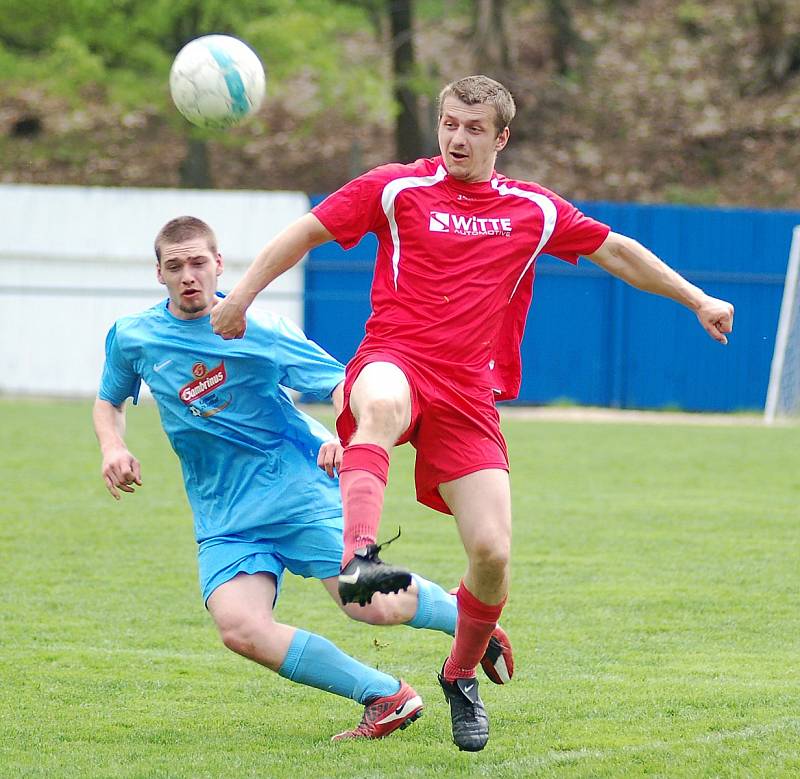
(436,609)
(315,661)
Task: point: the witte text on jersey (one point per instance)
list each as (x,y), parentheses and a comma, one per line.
(460,224)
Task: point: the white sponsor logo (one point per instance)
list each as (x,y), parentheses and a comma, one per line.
(441,222)
(161,365)
(468,688)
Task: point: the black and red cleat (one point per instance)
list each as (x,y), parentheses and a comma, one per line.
(383,716)
(498,660)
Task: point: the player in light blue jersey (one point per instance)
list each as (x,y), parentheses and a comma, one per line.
(258,475)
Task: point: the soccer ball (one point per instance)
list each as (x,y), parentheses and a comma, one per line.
(217,81)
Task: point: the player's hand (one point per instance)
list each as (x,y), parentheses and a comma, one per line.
(228,318)
(716,317)
(121,471)
(330,457)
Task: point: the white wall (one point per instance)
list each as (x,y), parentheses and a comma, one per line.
(74,259)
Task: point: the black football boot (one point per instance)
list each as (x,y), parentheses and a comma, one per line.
(367,574)
(467,714)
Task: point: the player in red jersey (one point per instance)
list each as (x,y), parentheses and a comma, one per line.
(453,282)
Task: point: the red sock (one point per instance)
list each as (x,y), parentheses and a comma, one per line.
(474,625)
(362,481)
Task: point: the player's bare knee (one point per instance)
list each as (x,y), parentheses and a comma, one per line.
(235,637)
(237,641)
(241,636)
(490,557)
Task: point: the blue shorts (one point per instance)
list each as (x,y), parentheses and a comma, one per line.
(309,549)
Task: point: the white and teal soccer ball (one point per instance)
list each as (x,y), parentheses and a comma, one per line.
(217,81)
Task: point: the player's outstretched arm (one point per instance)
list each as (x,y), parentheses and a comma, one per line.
(630,261)
(120,469)
(284,251)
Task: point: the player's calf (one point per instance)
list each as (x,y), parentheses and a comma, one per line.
(498,659)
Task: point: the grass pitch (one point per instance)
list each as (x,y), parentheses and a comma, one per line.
(654,615)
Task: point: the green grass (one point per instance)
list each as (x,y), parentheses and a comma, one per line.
(654,614)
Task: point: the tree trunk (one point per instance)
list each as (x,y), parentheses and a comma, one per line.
(492,56)
(195,169)
(407,131)
(564,40)
(778,50)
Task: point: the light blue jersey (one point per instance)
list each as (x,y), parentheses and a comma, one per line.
(249,456)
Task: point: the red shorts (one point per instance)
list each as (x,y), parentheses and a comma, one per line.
(455,428)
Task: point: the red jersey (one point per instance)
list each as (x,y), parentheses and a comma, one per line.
(454,271)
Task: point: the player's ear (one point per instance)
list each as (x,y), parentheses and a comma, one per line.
(158,273)
(220,264)
(502,139)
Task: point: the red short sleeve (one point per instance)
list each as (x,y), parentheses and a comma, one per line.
(575,233)
(354,210)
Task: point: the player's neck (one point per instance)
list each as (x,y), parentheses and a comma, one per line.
(477,180)
(469,176)
(471,187)
(179,313)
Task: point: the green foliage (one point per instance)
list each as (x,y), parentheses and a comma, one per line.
(33,27)
(71,63)
(124,48)
(691,16)
(67,68)
(309,40)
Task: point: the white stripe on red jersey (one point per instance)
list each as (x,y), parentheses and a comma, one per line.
(390,193)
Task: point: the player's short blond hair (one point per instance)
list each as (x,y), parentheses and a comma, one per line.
(482,89)
(185,228)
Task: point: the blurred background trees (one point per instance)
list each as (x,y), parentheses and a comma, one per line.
(678,100)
